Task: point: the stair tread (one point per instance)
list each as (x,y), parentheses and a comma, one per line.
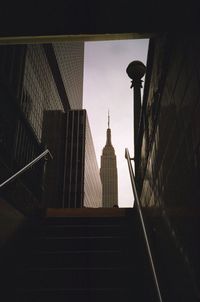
(75,238)
(79,225)
(74,269)
(64,289)
(77,252)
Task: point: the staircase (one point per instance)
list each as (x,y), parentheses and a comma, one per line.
(84,255)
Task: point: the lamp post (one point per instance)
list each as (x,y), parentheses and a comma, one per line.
(136,70)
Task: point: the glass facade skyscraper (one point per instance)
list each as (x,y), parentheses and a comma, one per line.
(40,92)
(70,60)
(39,85)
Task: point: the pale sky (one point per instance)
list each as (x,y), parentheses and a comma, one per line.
(107,86)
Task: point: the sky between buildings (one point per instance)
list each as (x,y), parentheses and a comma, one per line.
(107,87)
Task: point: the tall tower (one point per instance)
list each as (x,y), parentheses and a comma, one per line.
(108,172)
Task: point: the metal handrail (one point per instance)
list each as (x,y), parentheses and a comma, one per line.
(127,156)
(43,154)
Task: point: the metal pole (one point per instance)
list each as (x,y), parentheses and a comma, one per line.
(136,70)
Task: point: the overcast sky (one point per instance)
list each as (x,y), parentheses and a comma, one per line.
(107,86)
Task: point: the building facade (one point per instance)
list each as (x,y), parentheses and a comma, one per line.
(36,81)
(72,179)
(82,183)
(92,180)
(108,173)
(70,60)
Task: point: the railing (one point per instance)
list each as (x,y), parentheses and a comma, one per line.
(33,162)
(127,156)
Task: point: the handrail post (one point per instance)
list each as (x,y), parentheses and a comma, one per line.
(43,154)
(127,156)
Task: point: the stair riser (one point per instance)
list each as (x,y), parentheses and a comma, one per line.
(85,221)
(74,244)
(90,296)
(77,231)
(72,279)
(94,259)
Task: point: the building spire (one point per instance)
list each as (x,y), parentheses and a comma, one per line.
(108,141)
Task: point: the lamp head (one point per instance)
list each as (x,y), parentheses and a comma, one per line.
(136,70)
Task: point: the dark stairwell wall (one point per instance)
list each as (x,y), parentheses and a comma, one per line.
(169,143)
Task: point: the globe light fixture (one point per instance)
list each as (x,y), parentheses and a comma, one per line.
(136,70)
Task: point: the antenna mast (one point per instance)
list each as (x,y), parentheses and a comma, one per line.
(108,119)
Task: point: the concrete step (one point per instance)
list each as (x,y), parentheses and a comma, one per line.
(84,220)
(50,244)
(82,258)
(79,230)
(72,278)
(83,295)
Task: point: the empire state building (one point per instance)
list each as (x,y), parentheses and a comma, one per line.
(108,173)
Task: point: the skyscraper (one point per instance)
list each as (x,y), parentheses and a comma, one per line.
(108,172)
(40,84)
(82,184)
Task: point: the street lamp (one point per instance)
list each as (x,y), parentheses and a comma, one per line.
(136,70)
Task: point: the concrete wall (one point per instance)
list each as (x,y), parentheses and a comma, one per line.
(169,170)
